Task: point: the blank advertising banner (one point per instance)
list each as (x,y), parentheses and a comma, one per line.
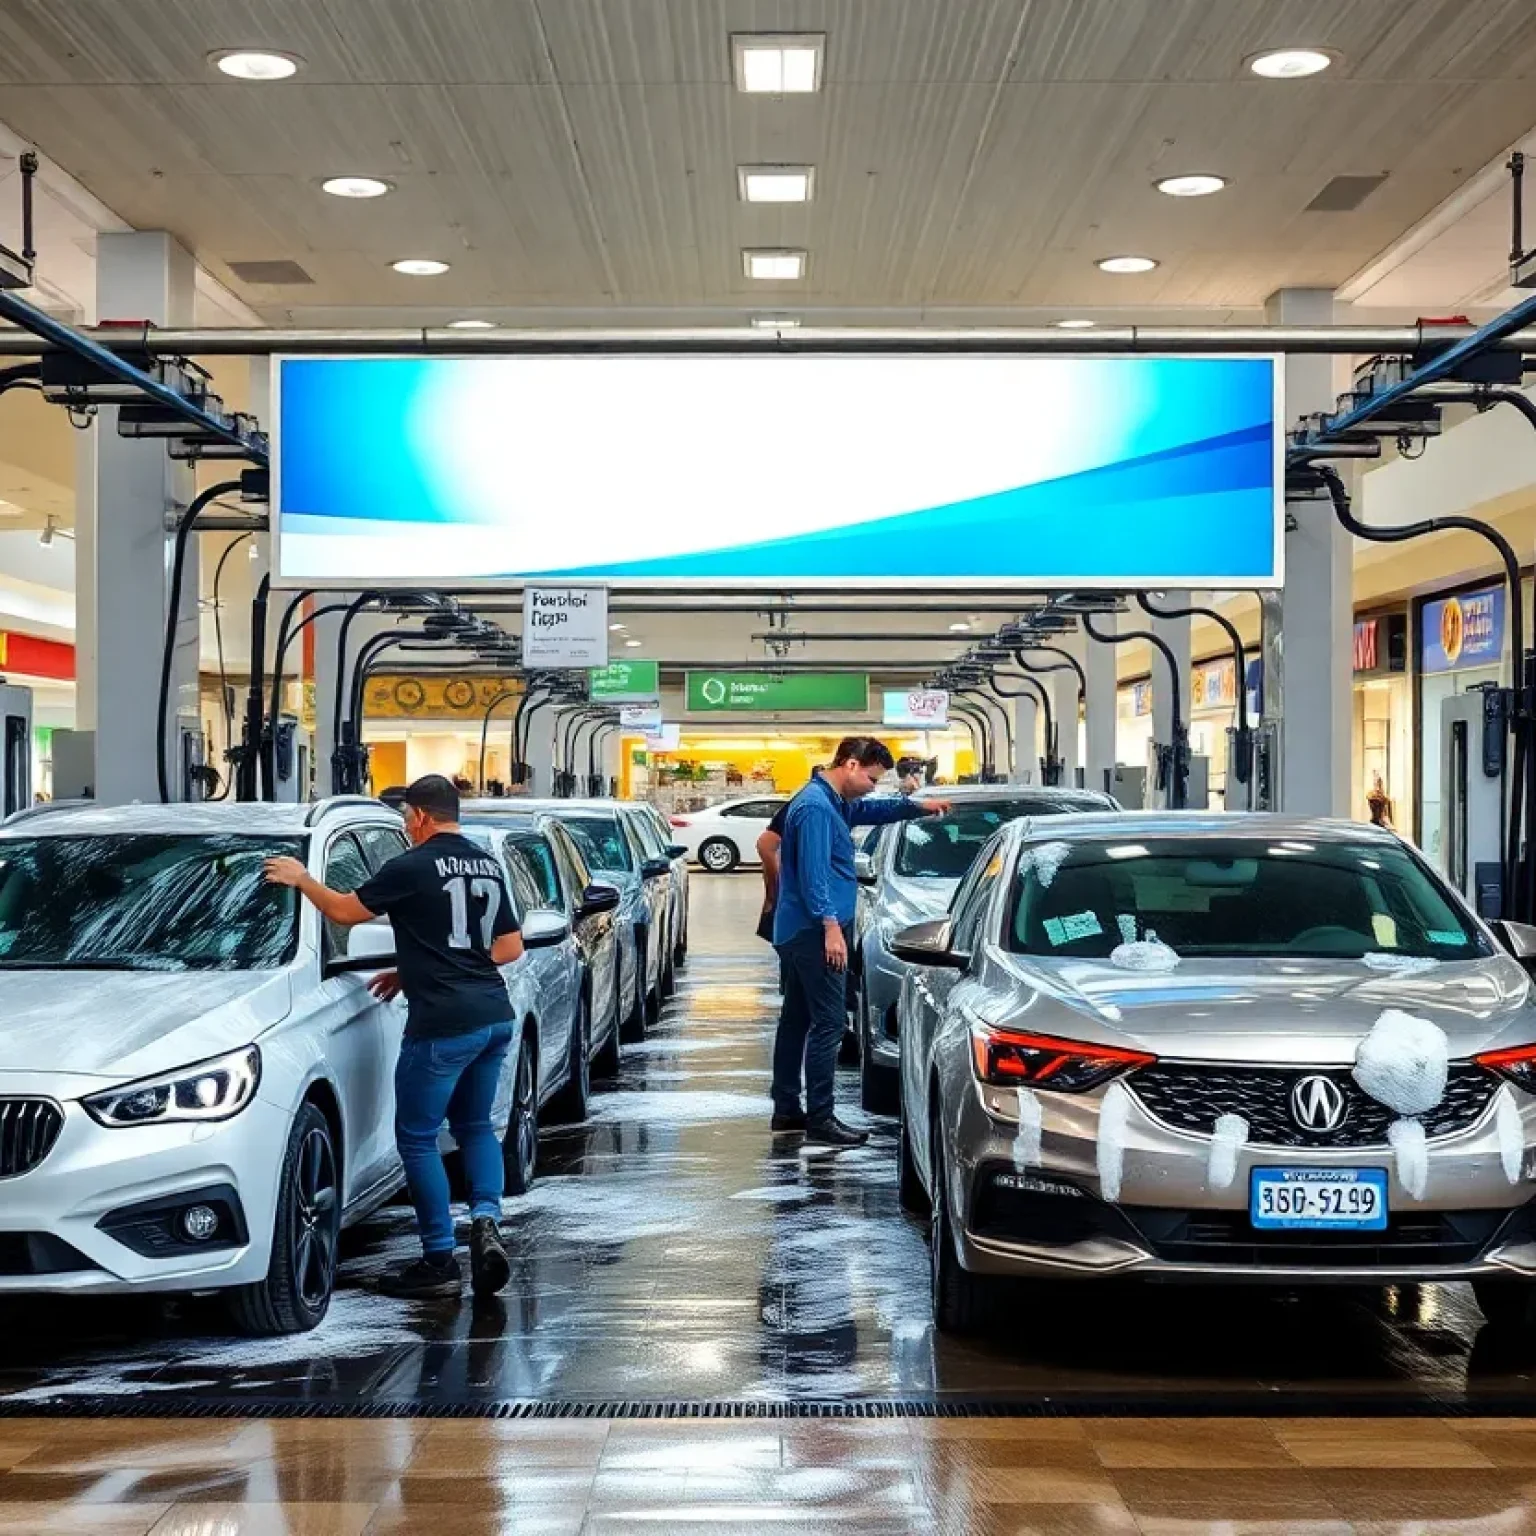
(889,471)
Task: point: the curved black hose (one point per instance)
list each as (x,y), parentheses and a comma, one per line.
(977,717)
(218,642)
(1239,655)
(1042,697)
(1518,811)
(248,764)
(168,651)
(1178,787)
(485,727)
(269,737)
(342,690)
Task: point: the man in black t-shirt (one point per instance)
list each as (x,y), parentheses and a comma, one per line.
(454,927)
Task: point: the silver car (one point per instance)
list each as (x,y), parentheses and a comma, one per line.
(1232,1047)
(660,843)
(908,870)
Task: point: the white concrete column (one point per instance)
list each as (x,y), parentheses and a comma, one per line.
(1317,603)
(1064,705)
(1175,634)
(122,552)
(539,751)
(1099,664)
(1026,741)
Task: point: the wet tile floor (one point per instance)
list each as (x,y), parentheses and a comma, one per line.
(672,1251)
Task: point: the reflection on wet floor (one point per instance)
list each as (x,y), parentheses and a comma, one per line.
(673,1250)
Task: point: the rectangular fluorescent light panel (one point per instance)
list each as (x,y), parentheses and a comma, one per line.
(774,266)
(778,63)
(775,183)
(774,322)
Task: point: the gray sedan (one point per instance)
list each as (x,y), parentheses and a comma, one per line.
(909,872)
(1235,1047)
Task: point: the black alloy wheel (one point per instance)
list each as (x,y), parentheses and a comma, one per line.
(632,1024)
(520,1145)
(879,1086)
(909,1183)
(296,1293)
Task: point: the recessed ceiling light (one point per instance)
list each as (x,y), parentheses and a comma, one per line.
(356,186)
(1290,63)
(1074,325)
(1191,186)
(959,625)
(416,266)
(615,626)
(1123,264)
(774,266)
(471,325)
(634,645)
(775,183)
(778,63)
(774,322)
(256,63)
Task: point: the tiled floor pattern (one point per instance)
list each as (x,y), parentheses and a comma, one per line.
(992,1477)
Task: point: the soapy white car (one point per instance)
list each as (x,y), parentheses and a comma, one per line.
(196,1086)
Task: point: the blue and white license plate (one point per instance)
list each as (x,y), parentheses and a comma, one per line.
(1325,1198)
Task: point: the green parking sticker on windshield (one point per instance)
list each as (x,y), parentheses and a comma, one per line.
(1080,925)
(1445,936)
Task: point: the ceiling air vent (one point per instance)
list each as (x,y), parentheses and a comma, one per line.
(1344,194)
(273,274)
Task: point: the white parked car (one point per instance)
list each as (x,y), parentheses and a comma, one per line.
(196,1087)
(724,836)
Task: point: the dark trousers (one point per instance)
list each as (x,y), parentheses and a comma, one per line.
(811,1025)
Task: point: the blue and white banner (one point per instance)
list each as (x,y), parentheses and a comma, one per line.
(889,471)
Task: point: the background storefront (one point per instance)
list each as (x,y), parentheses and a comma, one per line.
(1212,713)
(1381,758)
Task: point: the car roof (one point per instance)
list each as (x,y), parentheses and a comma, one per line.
(522,805)
(1042,792)
(1119,826)
(226,819)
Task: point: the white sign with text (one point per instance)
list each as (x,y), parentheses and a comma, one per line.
(640,717)
(565,627)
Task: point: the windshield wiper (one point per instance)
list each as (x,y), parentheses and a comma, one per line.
(87,965)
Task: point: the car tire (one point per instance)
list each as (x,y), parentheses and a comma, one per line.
(571,1104)
(1509,1305)
(961,1300)
(909,1183)
(605,1064)
(879,1085)
(632,1027)
(680,952)
(669,974)
(301,1272)
(719,856)
(520,1145)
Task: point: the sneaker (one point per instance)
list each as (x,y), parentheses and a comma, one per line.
(790,1122)
(831,1132)
(489,1270)
(425,1279)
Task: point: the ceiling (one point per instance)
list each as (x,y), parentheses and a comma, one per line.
(577,158)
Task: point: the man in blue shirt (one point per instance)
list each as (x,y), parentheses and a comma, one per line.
(812,924)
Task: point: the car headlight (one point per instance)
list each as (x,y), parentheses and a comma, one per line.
(208,1090)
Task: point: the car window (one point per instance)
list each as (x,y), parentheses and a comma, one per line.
(572,864)
(381,844)
(601,840)
(751,810)
(345,870)
(521,893)
(539,861)
(971,902)
(1271,895)
(139,902)
(646,833)
(942,847)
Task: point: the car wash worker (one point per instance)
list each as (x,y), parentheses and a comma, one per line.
(812,923)
(454,926)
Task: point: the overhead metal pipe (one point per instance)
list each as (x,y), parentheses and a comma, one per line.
(44,332)
(736,340)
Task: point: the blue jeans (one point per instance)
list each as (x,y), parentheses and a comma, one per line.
(453,1079)
(811,1025)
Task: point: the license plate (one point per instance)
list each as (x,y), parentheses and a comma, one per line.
(1327,1198)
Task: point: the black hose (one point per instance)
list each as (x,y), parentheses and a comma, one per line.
(1518,812)
(340,749)
(1042,697)
(1178,787)
(248,765)
(269,737)
(485,728)
(988,762)
(1239,655)
(168,651)
(218,642)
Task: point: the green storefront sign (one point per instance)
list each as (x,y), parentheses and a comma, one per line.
(769,692)
(629,681)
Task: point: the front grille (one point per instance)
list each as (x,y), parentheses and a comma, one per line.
(1191,1098)
(28,1130)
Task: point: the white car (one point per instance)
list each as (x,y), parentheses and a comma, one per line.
(196,1087)
(724,836)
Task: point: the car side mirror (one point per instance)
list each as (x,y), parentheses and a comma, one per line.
(656,869)
(930,944)
(598,898)
(863,868)
(543,930)
(370,947)
(1518,938)
(676,851)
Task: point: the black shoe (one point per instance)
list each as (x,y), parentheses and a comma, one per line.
(489,1270)
(425,1279)
(794,1122)
(833,1133)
